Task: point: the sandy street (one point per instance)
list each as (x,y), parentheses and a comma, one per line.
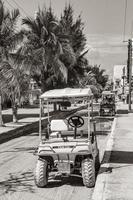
(17,164)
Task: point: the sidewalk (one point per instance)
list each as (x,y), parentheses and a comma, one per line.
(23,127)
(28,121)
(115,179)
(22,113)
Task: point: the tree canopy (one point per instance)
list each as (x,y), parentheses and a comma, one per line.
(50,50)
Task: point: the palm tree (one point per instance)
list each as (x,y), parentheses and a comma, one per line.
(14,84)
(100,75)
(45,50)
(74,28)
(9,37)
(89,80)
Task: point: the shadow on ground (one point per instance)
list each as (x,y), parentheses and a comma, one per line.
(21,149)
(58,181)
(18,182)
(24,182)
(116,157)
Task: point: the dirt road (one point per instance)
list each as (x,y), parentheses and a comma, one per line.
(17,163)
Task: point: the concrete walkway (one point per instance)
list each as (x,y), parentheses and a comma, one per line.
(115,179)
(23,127)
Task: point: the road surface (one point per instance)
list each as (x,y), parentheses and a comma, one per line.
(17,164)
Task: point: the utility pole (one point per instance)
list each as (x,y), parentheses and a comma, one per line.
(129,67)
(123,77)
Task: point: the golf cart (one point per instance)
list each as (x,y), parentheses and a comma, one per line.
(107,105)
(68,146)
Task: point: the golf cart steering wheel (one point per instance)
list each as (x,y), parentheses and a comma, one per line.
(76,121)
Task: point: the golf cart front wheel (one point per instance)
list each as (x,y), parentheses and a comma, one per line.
(88,172)
(41,173)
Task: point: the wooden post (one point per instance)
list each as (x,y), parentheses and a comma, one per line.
(130,70)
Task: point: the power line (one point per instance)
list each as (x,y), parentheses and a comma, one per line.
(125,16)
(19,6)
(9,4)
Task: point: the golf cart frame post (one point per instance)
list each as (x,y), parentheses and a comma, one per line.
(68,94)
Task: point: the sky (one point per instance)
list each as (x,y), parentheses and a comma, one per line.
(104,26)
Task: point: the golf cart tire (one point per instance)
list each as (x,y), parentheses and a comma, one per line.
(88,172)
(41,173)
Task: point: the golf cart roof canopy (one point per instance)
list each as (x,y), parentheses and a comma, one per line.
(66,93)
(108,93)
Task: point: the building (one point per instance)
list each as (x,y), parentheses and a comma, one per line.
(34,92)
(119,78)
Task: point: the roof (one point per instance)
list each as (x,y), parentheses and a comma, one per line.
(108,92)
(66,93)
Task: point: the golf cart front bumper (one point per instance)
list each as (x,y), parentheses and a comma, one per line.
(65,157)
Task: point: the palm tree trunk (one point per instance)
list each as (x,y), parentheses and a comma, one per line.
(1,121)
(15,112)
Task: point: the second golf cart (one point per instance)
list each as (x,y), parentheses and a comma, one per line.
(69,145)
(107,105)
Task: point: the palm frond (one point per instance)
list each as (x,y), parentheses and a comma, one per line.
(61,69)
(32,25)
(14,40)
(15,14)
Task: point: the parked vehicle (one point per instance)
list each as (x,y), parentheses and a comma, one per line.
(107,105)
(68,146)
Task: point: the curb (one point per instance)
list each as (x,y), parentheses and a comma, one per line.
(120,111)
(99,189)
(20,131)
(26,129)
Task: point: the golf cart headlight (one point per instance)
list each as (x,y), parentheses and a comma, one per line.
(45,150)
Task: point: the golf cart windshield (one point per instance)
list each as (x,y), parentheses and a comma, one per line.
(67,97)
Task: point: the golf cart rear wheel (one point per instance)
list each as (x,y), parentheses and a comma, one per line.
(41,173)
(88,172)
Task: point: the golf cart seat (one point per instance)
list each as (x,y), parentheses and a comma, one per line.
(60,127)
(57,126)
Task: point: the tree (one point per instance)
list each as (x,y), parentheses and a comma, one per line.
(74,28)
(99,74)
(14,84)
(90,81)
(9,37)
(109,85)
(45,49)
